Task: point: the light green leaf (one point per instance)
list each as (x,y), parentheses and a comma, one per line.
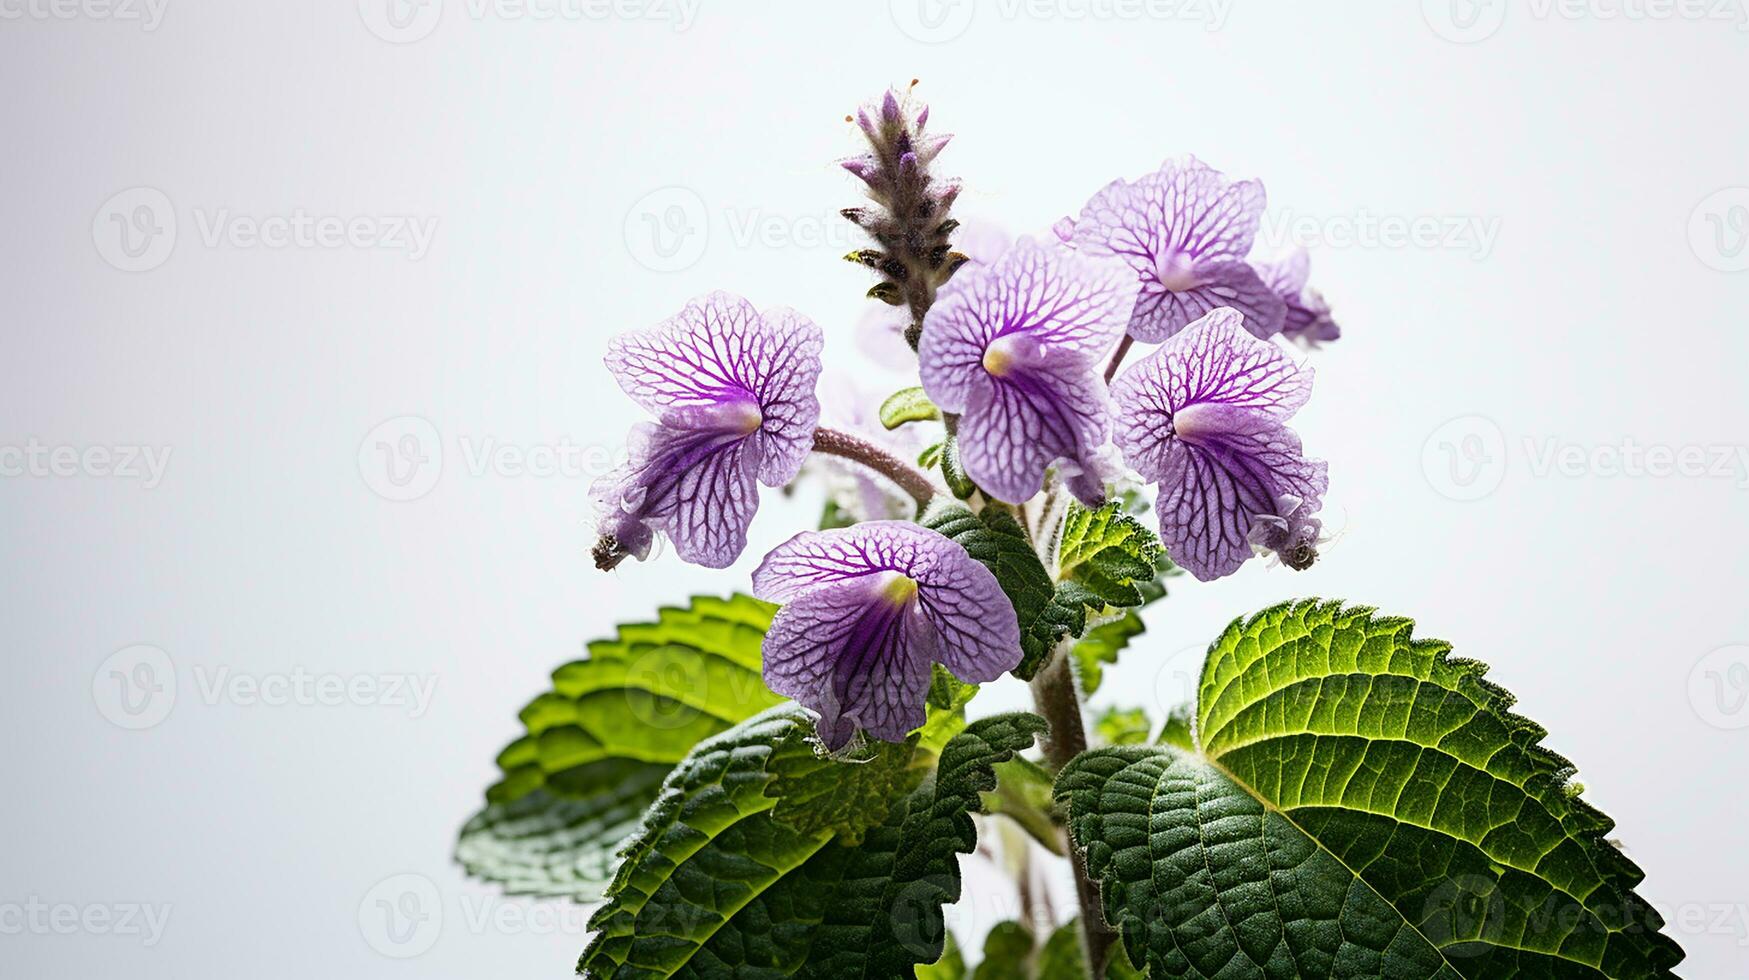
(1023,795)
(908,405)
(1063,958)
(1123,726)
(1109,550)
(1363,804)
(600,743)
(1177,732)
(1007,953)
(712,885)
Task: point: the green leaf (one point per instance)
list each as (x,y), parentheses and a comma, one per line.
(600,743)
(997,540)
(1177,731)
(1023,795)
(1123,726)
(1363,804)
(1063,958)
(946,709)
(1107,543)
(647,696)
(908,405)
(930,457)
(951,966)
(846,796)
(953,472)
(1007,953)
(712,885)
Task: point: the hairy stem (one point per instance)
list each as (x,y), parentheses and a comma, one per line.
(1123,348)
(1053,692)
(859,450)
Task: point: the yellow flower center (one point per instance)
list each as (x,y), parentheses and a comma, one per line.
(1000,356)
(898,589)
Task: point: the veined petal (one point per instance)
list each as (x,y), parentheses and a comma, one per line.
(1161,312)
(1181,230)
(891,581)
(720,350)
(789,350)
(1015,426)
(1213,361)
(850,653)
(1046,296)
(696,485)
(1308,320)
(1216,492)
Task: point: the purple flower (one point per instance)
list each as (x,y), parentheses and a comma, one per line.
(1205,418)
(733,390)
(1308,315)
(867,610)
(1016,348)
(1186,230)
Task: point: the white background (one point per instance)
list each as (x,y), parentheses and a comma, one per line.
(1600,311)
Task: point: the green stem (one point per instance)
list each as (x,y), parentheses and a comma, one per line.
(1053,692)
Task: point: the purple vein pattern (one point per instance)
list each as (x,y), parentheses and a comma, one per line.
(733,391)
(1016,347)
(1308,315)
(1204,416)
(1185,230)
(867,609)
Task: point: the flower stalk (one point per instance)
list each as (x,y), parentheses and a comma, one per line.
(1054,695)
(908,478)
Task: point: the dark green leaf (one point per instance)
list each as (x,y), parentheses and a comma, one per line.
(1363,804)
(713,886)
(996,539)
(958,482)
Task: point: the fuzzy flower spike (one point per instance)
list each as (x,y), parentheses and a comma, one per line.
(1017,347)
(1205,418)
(1185,231)
(733,390)
(909,218)
(867,609)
